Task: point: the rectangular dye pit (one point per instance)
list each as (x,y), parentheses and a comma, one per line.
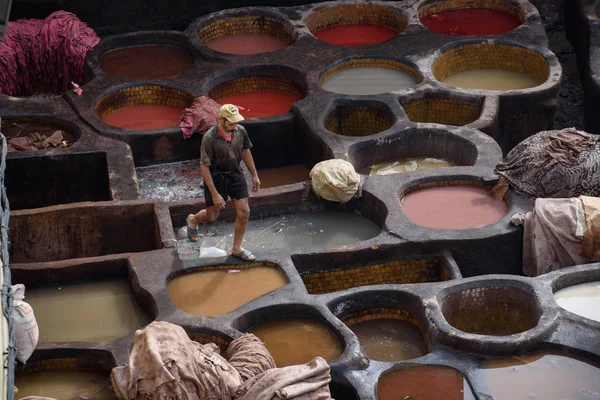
(35,182)
(182,180)
(320,275)
(88,230)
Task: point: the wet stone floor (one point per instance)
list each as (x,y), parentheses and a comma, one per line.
(169,182)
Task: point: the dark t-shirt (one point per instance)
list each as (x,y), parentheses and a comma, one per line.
(217,152)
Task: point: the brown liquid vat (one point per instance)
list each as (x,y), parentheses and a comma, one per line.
(498,310)
(218,290)
(359,119)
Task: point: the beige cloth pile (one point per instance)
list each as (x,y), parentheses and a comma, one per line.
(335,180)
(560,233)
(165,364)
(35,141)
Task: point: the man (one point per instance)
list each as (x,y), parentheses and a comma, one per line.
(222,149)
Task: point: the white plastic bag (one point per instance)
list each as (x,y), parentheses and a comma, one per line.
(335,180)
(27,332)
(208,252)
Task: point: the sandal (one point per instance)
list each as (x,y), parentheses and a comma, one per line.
(245,255)
(192,233)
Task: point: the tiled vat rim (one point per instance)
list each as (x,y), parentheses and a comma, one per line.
(443,109)
(225,267)
(445,183)
(246,25)
(490,55)
(327,17)
(256,83)
(372,62)
(359,120)
(449,5)
(414,270)
(142,94)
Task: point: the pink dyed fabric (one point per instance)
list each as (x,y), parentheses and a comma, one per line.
(200,117)
(49,51)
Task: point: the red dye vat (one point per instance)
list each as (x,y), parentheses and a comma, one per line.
(247,44)
(261,104)
(355,35)
(453,207)
(470,22)
(144,116)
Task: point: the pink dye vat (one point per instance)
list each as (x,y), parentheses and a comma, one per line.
(261,104)
(144,116)
(355,35)
(453,207)
(247,44)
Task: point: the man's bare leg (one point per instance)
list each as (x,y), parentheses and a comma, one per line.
(241,222)
(206,216)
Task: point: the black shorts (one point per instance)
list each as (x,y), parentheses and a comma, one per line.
(231,184)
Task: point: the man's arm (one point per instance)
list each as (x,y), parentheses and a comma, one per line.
(249,161)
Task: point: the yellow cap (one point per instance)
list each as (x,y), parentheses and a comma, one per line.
(230,113)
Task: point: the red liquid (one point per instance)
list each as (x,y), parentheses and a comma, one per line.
(145,116)
(470,22)
(261,104)
(247,44)
(355,35)
(151,61)
(453,207)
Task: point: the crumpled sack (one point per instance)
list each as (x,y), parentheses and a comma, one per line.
(308,381)
(560,233)
(27,332)
(335,180)
(552,164)
(165,364)
(249,356)
(202,115)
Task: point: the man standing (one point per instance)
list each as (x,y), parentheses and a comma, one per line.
(222,149)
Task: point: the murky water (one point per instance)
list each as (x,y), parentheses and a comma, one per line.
(171,181)
(453,207)
(147,61)
(94,312)
(297,341)
(405,165)
(247,44)
(388,339)
(583,299)
(492,79)
(293,231)
(544,376)
(221,291)
(428,382)
(368,80)
(65,385)
(272,177)
(144,117)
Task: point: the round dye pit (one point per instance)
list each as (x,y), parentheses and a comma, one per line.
(539,376)
(143,107)
(482,18)
(406,165)
(389,339)
(443,110)
(24,134)
(148,61)
(298,341)
(115,313)
(63,384)
(221,290)
(358,120)
(491,67)
(258,97)
(369,76)
(491,310)
(250,34)
(453,207)
(582,299)
(356,25)
(426,382)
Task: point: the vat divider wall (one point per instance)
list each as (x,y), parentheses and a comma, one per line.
(405,267)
